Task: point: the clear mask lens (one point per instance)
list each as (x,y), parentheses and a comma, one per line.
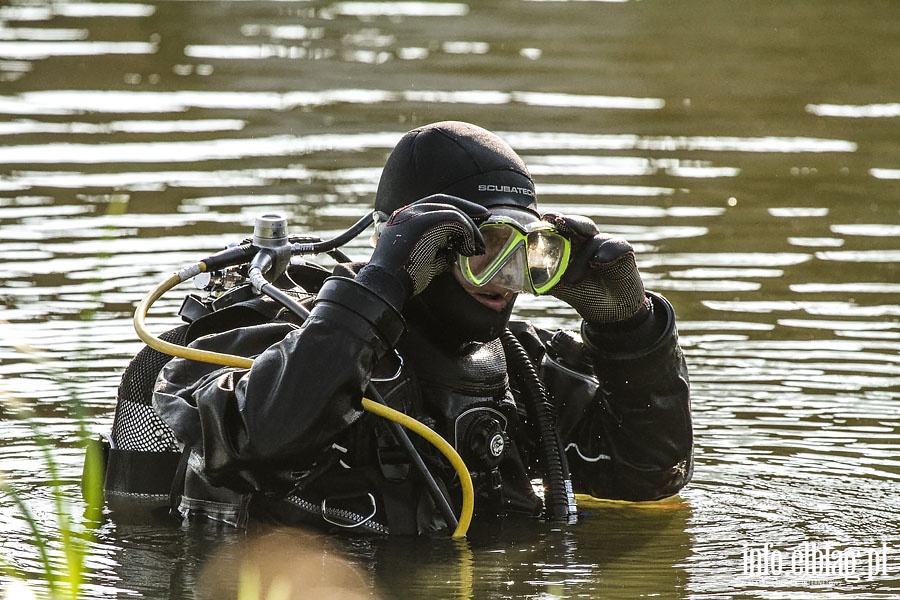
(511,275)
(546,254)
(529,258)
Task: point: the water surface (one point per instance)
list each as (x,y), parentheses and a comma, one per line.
(748,150)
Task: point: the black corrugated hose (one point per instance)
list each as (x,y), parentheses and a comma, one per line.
(559,499)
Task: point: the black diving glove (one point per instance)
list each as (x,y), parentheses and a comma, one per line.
(421,241)
(601,282)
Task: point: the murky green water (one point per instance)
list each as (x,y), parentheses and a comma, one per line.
(749,149)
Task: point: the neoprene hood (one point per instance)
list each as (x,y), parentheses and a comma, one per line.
(455,158)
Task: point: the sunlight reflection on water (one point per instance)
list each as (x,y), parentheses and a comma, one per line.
(753,168)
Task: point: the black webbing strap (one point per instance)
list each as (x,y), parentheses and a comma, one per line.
(176,485)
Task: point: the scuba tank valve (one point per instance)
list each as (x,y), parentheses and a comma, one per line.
(274,254)
(270,231)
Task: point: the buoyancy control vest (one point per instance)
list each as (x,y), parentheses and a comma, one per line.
(140,457)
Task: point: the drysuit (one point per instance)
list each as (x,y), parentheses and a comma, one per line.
(290,443)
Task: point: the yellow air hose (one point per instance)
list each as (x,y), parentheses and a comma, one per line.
(140,315)
(432,437)
(231,360)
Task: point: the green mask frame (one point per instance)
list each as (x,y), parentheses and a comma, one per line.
(527,258)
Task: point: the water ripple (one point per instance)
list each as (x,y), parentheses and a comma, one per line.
(76,10)
(775,144)
(53,102)
(887,110)
(811,307)
(29,50)
(23,127)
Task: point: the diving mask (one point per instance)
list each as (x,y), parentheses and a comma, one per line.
(522,258)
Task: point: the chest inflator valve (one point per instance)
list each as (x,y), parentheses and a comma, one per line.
(481,437)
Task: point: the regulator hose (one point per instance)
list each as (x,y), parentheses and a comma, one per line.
(444,447)
(245,251)
(140,316)
(335,242)
(559,499)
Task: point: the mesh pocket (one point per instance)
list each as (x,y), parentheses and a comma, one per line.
(136,426)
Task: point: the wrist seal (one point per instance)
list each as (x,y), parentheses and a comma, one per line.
(360,300)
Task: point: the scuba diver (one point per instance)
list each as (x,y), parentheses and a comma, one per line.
(424,326)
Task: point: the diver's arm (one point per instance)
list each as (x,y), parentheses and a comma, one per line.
(301,392)
(641,412)
(622,403)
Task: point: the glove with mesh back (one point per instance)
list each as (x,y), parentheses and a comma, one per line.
(601,282)
(423,239)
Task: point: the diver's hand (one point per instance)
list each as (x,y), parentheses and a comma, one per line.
(423,239)
(601,282)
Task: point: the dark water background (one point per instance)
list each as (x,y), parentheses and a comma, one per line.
(747,148)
